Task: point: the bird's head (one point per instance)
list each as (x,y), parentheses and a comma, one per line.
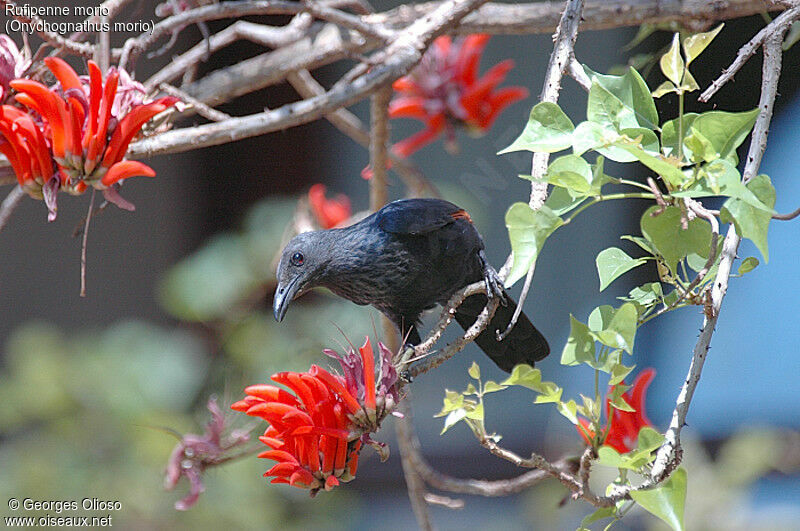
(299,269)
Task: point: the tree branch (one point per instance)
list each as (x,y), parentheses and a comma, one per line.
(349,124)
(560,59)
(379,137)
(543,17)
(9,204)
(395,61)
(780,24)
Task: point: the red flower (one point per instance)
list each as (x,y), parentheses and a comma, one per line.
(622,430)
(316,434)
(329,212)
(445,90)
(76,124)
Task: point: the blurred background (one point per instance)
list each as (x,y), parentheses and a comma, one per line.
(178,309)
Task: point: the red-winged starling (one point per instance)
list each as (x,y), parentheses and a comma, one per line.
(404,259)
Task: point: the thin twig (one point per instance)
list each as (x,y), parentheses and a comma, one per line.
(232,9)
(414,483)
(84,242)
(787,217)
(375,30)
(202,109)
(9,204)
(780,24)
(348,123)
(573,483)
(379,137)
(561,59)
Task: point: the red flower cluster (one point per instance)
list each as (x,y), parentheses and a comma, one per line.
(70,138)
(329,212)
(622,430)
(444,90)
(316,434)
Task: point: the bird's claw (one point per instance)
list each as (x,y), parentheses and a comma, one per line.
(494,286)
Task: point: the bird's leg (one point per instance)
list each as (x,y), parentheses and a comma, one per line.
(494,284)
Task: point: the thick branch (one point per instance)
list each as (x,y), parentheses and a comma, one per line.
(397,60)
(543,17)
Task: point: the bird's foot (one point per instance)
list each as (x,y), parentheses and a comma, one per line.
(494,284)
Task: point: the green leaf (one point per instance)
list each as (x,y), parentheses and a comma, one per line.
(474,371)
(528,229)
(624,325)
(720,177)
(689,84)
(525,376)
(669,134)
(700,148)
(672,64)
(641,242)
(606,110)
(649,439)
(613,263)
(476,412)
(619,373)
(747,265)
(601,138)
(492,387)
(207,284)
(668,171)
(725,130)
(561,201)
(645,138)
(548,129)
(634,95)
(695,44)
(600,514)
(574,173)
(646,295)
(615,328)
(666,502)
(452,401)
(569,410)
(670,240)
(453,418)
(667,87)
(580,344)
(751,222)
(617,401)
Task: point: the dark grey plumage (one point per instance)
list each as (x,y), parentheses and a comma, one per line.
(406,258)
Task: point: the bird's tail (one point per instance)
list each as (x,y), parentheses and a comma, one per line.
(524,344)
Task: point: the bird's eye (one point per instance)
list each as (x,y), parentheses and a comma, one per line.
(298,259)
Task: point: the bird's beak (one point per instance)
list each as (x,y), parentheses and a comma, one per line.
(283,296)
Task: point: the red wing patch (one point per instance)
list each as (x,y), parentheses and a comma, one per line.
(461,214)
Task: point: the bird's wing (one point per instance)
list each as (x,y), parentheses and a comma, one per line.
(418,216)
